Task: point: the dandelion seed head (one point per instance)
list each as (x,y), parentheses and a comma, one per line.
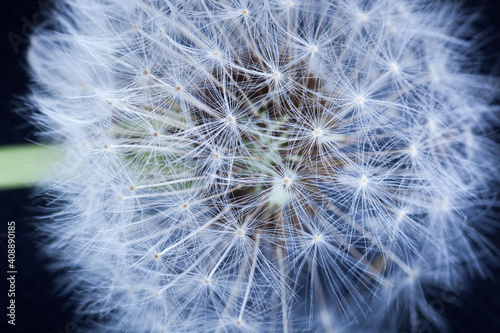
(295,164)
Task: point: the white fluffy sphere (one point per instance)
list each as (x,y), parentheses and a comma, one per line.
(264,166)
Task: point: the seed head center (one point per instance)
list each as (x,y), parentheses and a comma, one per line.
(318,132)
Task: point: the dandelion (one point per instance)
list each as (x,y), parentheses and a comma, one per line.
(264,166)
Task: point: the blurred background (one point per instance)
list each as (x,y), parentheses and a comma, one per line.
(473,308)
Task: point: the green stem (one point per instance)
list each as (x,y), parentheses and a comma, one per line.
(25,165)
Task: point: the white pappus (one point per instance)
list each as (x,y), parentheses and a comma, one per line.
(264,166)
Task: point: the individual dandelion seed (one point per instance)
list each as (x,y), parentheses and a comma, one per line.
(264,166)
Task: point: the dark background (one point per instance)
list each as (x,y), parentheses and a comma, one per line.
(475,308)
